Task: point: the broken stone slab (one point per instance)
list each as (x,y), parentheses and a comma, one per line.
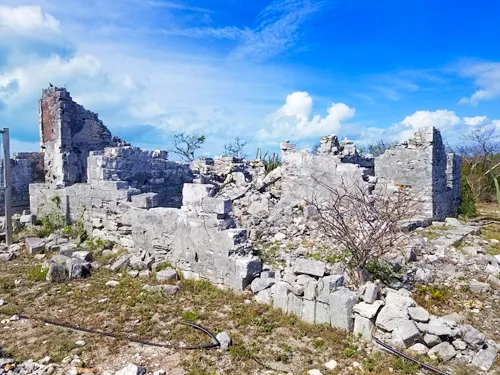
(260,284)
(407,333)
(328,284)
(424,275)
(294,305)
(485,358)
(35,245)
(309,267)
(368,310)
(192,194)
(445,351)
(419,348)
(83,255)
(7,257)
(120,263)
(166,274)
(431,340)
(218,206)
(146,200)
(280,291)
(419,314)
(342,302)
(77,268)
(265,296)
(363,328)
(322,313)
(436,327)
(308,311)
(395,311)
(473,337)
(495,281)
(459,344)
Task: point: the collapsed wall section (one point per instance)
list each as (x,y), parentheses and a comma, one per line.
(334,164)
(422,166)
(26,167)
(147,171)
(68,132)
(200,239)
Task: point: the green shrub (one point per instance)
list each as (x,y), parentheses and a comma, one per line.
(38,273)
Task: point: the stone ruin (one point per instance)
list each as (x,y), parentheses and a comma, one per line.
(192,215)
(184,213)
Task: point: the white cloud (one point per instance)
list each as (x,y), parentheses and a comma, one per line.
(26,20)
(294,119)
(486,77)
(476,120)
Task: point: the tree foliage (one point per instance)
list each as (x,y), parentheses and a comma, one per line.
(377,149)
(186,145)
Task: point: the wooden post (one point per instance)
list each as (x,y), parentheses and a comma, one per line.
(8,187)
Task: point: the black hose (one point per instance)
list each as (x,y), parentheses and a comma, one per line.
(215,343)
(398,353)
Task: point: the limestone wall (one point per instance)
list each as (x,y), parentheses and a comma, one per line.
(26,167)
(334,163)
(422,166)
(147,171)
(68,132)
(200,239)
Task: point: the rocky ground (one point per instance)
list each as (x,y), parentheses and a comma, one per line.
(450,270)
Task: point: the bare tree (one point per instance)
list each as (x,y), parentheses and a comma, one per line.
(186,145)
(365,225)
(377,149)
(235,148)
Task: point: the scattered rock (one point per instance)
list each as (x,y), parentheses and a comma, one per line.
(331,365)
(419,314)
(225,340)
(445,350)
(131,369)
(166,275)
(419,349)
(485,358)
(112,283)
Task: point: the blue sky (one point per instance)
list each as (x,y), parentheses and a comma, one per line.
(263,70)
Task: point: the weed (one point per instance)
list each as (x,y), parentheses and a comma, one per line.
(38,273)
(191,315)
(382,270)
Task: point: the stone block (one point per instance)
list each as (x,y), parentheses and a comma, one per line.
(407,333)
(363,328)
(474,338)
(368,310)
(371,292)
(322,315)
(35,245)
(168,274)
(146,200)
(395,311)
(294,305)
(259,284)
(83,255)
(419,314)
(485,358)
(327,285)
(280,292)
(342,303)
(445,351)
(308,311)
(264,296)
(193,194)
(309,267)
(218,206)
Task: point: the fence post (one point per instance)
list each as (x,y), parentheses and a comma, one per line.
(8,187)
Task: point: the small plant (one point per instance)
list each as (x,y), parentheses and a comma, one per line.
(381,270)
(38,273)
(191,315)
(271,163)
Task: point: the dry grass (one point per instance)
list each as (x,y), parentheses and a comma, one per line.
(263,338)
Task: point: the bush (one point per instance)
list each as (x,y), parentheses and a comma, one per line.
(467,205)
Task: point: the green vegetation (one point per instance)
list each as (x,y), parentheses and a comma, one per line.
(271,163)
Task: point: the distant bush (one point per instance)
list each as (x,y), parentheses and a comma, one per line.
(467,205)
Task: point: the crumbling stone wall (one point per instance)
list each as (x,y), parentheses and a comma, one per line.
(333,163)
(422,165)
(26,167)
(68,132)
(200,239)
(147,171)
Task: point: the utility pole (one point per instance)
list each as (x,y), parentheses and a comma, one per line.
(7,186)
